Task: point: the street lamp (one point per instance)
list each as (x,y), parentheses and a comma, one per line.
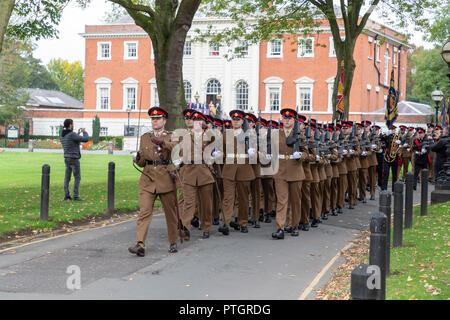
(219,109)
(128,127)
(196,97)
(437,97)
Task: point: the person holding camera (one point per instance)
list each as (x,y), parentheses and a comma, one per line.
(71,145)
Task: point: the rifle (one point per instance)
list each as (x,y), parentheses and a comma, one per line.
(245,128)
(269,136)
(258,127)
(323,139)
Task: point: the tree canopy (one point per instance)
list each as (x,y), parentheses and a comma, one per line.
(68,76)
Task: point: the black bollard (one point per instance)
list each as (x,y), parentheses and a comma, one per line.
(111,182)
(398,215)
(45,192)
(424,193)
(362,286)
(409,193)
(378,248)
(385,207)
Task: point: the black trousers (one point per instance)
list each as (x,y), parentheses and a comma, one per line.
(394,167)
(380,164)
(417,168)
(72,165)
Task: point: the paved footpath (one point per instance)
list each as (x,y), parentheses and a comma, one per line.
(238,266)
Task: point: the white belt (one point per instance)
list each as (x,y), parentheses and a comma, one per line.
(232,155)
(282,156)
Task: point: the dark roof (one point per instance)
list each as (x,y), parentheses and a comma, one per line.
(52,99)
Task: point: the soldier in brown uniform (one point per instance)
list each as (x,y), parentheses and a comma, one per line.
(237,174)
(343,170)
(316,183)
(352,166)
(306,185)
(329,157)
(335,159)
(363,172)
(218,124)
(268,184)
(288,179)
(373,162)
(157,180)
(197,179)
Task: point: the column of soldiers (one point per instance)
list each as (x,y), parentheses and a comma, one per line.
(319,168)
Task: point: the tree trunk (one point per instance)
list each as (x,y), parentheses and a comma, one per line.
(6,8)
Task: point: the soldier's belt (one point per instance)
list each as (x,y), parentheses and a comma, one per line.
(157,162)
(237,156)
(286,157)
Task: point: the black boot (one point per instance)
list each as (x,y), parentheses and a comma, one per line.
(315,223)
(305,227)
(137,250)
(195,222)
(339,210)
(215,221)
(325,216)
(267,218)
(225,230)
(273,214)
(244,229)
(261,215)
(256,224)
(278,235)
(351,207)
(288,229)
(294,232)
(334,212)
(372,198)
(234,225)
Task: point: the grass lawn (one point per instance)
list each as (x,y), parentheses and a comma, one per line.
(420,268)
(20,189)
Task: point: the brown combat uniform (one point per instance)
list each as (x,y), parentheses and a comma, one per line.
(155,182)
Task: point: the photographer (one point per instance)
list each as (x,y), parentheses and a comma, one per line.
(71,145)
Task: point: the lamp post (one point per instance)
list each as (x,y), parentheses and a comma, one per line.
(437,97)
(128,127)
(219,109)
(441,191)
(196,97)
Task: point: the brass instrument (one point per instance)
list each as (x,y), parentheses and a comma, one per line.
(390,156)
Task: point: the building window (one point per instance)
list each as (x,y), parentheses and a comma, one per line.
(243,48)
(130,90)
(187,50)
(332,52)
(131,98)
(378,51)
(305,48)
(386,67)
(130,50)
(305,102)
(275,48)
(213,87)
(187,91)
(103,131)
(104,98)
(154,97)
(242,95)
(274,99)
(103,50)
(214,49)
(394,57)
(103,93)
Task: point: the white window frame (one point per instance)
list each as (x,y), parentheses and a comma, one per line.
(102,83)
(243,53)
(210,52)
(270,54)
(126,52)
(190,49)
(99,50)
(129,83)
(378,50)
(236,95)
(273,83)
(304,83)
(184,88)
(386,67)
(300,44)
(102,132)
(332,51)
(154,98)
(394,57)
(330,83)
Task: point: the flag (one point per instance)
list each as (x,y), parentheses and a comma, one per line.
(391,104)
(340,93)
(444,116)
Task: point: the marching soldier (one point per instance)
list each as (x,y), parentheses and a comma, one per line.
(363,172)
(352,167)
(390,157)
(343,171)
(218,168)
(373,162)
(196,178)
(380,156)
(406,151)
(316,202)
(157,179)
(288,179)
(236,176)
(421,156)
(335,159)
(306,185)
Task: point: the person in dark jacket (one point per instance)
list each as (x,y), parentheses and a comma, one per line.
(421,155)
(439,148)
(71,145)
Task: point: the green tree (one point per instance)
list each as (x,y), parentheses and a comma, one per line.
(167,23)
(26,131)
(439,31)
(430,71)
(36,19)
(274,18)
(68,76)
(95,129)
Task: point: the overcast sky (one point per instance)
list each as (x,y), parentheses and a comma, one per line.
(70,45)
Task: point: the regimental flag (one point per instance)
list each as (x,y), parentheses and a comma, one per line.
(391,104)
(340,93)
(444,116)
